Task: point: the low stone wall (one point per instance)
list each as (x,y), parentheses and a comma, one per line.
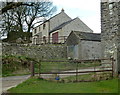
(47,51)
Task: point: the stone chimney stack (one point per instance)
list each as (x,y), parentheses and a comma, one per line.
(62,10)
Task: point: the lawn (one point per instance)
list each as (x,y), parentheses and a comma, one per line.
(35,85)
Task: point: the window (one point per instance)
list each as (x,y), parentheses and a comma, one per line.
(44,26)
(39,28)
(44,39)
(35,31)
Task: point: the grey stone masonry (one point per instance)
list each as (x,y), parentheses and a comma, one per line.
(110,30)
(39,52)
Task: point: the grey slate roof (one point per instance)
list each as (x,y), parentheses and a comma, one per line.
(82,25)
(61,25)
(88,36)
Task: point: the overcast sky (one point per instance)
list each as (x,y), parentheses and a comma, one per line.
(87,10)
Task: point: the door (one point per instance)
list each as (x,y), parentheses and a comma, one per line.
(55,37)
(76,54)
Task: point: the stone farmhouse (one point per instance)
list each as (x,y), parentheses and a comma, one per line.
(110,30)
(57,29)
(82,45)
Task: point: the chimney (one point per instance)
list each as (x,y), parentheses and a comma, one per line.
(62,10)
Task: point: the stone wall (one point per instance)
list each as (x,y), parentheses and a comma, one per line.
(85,50)
(34,51)
(110,29)
(90,50)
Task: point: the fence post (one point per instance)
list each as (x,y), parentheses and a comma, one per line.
(39,68)
(32,68)
(76,71)
(94,73)
(112,67)
(94,70)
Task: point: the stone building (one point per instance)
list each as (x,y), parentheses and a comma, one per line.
(57,29)
(82,45)
(110,30)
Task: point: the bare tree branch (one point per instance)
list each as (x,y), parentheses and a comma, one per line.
(13,5)
(22,16)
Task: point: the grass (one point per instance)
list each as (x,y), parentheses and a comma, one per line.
(88,77)
(80,77)
(20,65)
(63,66)
(15,65)
(35,85)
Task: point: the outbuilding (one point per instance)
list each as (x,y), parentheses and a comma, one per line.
(83,45)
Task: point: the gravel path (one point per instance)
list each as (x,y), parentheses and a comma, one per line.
(66,75)
(12,81)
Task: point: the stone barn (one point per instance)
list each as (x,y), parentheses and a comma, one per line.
(82,45)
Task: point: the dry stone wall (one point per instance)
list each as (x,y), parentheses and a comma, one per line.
(34,51)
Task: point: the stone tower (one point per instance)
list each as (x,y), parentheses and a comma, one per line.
(110,30)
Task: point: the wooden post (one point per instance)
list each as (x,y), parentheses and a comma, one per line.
(76,72)
(32,68)
(94,68)
(39,68)
(112,67)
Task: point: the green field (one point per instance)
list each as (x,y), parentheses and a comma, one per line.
(20,65)
(35,85)
(63,66)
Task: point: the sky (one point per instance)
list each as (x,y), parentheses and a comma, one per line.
(87,10)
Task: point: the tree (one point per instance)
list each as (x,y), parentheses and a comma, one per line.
(39,9)
(11,5)
(22,18)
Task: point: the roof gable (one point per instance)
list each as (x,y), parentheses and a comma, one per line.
(72,39)
(81,25)
(62,12)
(53,17)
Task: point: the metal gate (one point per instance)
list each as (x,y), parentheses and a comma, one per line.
(67,68)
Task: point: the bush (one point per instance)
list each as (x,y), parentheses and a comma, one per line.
(12,64)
